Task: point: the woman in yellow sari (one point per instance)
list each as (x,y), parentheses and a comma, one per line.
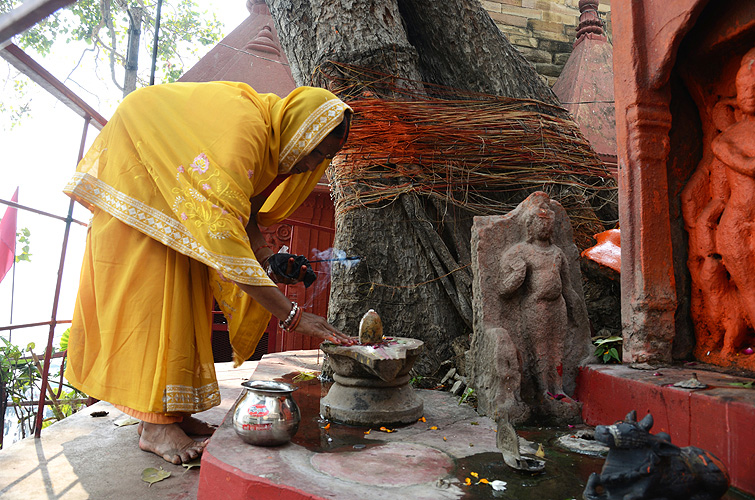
(178,181)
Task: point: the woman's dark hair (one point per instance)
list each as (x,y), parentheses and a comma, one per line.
(342,129)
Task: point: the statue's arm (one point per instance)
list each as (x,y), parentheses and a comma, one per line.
(513,271)
(730,149)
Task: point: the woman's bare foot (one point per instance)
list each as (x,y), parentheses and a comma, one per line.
(170,442)
(195,427)
(190,425)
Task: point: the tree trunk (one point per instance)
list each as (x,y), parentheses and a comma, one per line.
(415,251)
(132,55)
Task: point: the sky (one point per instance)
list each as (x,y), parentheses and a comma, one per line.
(39,156)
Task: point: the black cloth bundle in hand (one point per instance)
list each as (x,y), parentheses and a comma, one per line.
(278,264)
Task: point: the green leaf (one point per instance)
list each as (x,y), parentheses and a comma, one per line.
(607,340)
(468,392)
(151,475)
(304,376)
(194,463)
(64,339)
(606,356)
(614,354)
(746,385)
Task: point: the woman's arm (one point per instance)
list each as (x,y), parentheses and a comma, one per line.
(272,299)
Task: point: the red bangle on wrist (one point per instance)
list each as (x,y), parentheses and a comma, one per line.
(296,320)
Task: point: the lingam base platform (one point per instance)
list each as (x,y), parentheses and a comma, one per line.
(432,459)
(371,401)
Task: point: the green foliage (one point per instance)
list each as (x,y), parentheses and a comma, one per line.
(14,103)
(468,396)
(64,339)
(103,25)
(23,238)
(608,349)
(23,380)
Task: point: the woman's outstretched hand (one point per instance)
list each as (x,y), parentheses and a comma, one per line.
(316,326)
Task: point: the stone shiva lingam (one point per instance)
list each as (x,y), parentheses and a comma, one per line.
(372,378)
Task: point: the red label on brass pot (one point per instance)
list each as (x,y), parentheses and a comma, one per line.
(257,427)
(258,410)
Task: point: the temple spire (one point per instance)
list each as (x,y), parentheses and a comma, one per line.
(589,20)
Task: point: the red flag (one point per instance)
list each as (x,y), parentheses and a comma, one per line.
(8,238)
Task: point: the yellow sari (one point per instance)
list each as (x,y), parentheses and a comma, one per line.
(169,180)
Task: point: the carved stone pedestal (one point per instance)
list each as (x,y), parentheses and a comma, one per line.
(371,402)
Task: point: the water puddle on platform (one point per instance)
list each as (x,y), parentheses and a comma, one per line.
(564,477)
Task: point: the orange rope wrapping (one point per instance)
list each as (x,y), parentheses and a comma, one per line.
(463,152)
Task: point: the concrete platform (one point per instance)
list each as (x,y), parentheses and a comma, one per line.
(84,457)
(719,419)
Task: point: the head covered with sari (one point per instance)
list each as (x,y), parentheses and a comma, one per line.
(300,122)
(180,163)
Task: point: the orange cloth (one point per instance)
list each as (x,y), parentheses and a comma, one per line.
(151,418)
(169,180)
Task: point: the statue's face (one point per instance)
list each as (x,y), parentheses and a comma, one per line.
(746,87)
(541,223)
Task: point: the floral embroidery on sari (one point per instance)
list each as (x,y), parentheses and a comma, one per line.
(195,207)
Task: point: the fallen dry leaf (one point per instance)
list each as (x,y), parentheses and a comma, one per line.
(151,475)
(126,421)
(194,463)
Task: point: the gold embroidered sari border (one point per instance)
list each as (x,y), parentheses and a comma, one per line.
(299,145)
(163,228)
(183,398)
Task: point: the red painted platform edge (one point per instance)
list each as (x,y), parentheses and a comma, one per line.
(720,425)
(220,480)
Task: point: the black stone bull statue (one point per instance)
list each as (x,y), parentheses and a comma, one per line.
(643,466)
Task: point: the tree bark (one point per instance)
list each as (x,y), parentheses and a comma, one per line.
(415,252)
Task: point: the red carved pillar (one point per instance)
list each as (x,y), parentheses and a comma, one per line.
(647,284)
(643,122)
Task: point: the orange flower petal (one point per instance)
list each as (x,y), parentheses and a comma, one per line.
(467,481)
(474,474)
(327,427)
(434,428)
